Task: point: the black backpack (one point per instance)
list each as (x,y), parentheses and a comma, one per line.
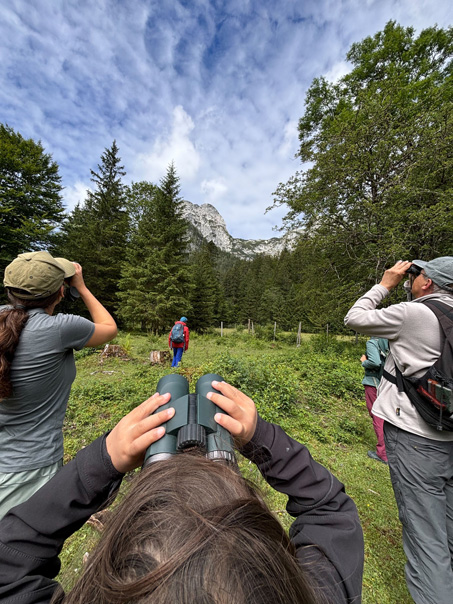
(177,333)
(432,394)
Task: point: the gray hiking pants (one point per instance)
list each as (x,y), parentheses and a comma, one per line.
(421,470)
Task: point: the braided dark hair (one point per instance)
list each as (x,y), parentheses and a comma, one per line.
(12,322)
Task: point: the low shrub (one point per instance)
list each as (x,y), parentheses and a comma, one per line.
(274,388)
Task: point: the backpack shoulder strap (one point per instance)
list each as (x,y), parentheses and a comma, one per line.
(396,379)
(444,313)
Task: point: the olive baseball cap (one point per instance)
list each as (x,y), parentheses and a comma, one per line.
(37,274)
(440,270)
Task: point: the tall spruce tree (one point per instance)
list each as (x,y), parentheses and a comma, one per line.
(30,196)
(251,290)
(155,285)
(96,232)
(206,299)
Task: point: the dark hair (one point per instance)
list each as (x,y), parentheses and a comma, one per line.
(192,531)
(12,322)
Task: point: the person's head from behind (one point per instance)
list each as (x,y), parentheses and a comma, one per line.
(435,276)
(34,277)
(192,531)
(32,280)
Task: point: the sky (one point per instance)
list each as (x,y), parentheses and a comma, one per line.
(217,86)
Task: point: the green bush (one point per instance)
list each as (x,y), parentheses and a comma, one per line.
(274,387)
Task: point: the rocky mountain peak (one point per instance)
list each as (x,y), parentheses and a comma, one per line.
(210,224)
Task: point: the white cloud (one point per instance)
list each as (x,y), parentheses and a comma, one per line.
(337,71)
(288,145)
(175,146)
(213,190)
(75,194)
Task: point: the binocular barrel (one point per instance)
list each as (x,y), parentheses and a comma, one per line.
(193,425)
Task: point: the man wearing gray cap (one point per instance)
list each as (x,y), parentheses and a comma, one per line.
(420,457)
(37,368)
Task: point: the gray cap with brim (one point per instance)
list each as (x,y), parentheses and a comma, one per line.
(37,274)
(440,270)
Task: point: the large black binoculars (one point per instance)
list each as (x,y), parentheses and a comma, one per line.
(193,426)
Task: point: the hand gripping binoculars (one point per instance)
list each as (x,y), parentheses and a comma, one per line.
(193,426)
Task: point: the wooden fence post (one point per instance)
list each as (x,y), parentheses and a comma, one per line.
(275,329)
(299,332)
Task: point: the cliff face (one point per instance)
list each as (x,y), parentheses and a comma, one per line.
(210,224)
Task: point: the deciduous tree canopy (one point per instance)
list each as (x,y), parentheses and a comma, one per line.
(376,183)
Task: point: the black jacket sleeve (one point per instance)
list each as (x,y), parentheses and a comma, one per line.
(32,533)
(327,532)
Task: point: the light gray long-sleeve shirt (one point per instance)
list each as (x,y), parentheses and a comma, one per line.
(415,339)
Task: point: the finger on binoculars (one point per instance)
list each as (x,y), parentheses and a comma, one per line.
(223,401)
(401,265)
(152,403)
(226,389)
(156,419)
(229,398)
(233,426)
(150,428)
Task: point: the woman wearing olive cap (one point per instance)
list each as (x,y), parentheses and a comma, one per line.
(37,368)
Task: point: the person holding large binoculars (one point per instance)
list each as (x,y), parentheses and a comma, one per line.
(191,529)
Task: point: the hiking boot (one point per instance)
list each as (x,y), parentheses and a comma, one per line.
(375,456)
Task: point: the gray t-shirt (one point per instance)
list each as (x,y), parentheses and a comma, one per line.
(42,373)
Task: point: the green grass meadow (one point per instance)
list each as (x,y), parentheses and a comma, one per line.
(314,392)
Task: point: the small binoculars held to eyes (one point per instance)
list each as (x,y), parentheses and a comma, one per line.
(414,270)
(193,426)
(71,293)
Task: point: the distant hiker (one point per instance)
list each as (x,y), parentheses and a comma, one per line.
(178,339)
(373,363)
(37,368)
(420,456)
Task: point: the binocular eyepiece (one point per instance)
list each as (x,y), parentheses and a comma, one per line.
(414,270)
(193,426)
(71,293)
